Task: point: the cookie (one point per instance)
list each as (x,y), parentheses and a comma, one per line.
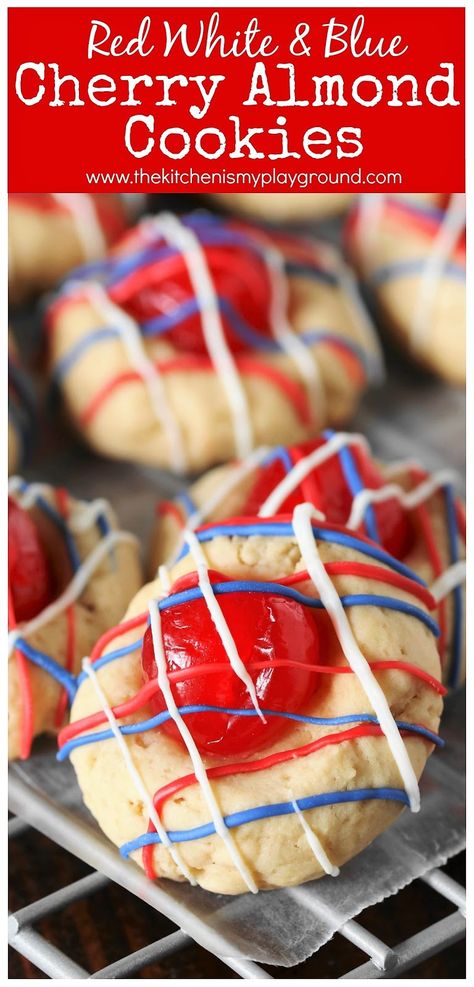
(51,233)
(413,515)
(199,339)
(412,257)
(284,207)
(71,576)
(266,708)
(21,411)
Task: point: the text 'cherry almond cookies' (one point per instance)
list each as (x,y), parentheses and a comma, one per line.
(265,709)
(71,575)
(198,339)
(410,513)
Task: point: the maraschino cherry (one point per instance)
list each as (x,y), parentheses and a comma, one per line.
(29,575)
(268,629)
(327,488)
(240,282)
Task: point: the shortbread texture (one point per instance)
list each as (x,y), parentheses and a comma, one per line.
(439,342)
(275,850)
(109,383)
(167,535)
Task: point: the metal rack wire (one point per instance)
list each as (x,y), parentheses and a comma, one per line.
(35,809)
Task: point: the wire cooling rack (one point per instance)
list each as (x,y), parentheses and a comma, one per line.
(411,417)
(44,813)
(382,961)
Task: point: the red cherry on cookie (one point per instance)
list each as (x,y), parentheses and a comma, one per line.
(267,629)
(161,288)
(29,576)
(327,487)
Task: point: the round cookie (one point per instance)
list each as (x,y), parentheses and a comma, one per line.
(71,576)
(21,411)
(412,256)
(199,339)
(50,233)
(259,618)
(413,515)
(284,207)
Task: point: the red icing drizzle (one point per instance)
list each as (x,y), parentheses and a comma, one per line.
(327,488)
(30,589)
(410,218)
(201,364)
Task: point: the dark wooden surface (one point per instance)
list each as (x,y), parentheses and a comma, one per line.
(112,923)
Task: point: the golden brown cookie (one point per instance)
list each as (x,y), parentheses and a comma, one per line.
(414,515)
(50,233)
(284,207)
(199,339)
(72,573)
(265,709)
(412,256)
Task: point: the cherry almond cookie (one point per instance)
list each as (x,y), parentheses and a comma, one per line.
(412,257)
(50,233)
(265,709)
(71,575)
(198,339)
(413,515)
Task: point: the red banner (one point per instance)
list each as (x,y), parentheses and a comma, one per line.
(193,100)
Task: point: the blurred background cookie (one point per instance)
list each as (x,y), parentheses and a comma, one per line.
(200,338)
(49,233)
(276,207)
(412,257)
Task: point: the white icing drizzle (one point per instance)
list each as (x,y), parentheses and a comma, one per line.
(137,354)
(370,209)
(85,518)
(239,472)
(219,620)
(302,516)
(196,759)
(400,466)
(133,771)
(27,498)
(164,576)
(75,588)
(453,576)
(443,245)
(81,208)
(185,240)
(84,514)
(304,466)
(315,843)
(304,358)
(408,498)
